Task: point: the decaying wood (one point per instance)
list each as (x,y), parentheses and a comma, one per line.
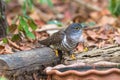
(26,65)
(27,61)
(108,54)
(3,22)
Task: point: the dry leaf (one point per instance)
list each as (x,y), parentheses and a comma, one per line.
(13,44)
(80,47)
(117,39)
(92,34)
(102,36)
(13,29)
(91,43)
(95,15)
(8,49)
(2,48)
(35,15)
(101,44)
(107,20)
(105,12)
(25,48)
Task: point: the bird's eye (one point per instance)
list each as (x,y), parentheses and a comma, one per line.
(77,28)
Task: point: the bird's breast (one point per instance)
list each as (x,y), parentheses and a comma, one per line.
(68,44)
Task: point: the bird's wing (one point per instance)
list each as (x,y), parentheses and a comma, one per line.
(54,39)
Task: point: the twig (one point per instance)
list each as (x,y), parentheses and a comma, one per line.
(51,27)
(46,29)
(91,28)
(59,28)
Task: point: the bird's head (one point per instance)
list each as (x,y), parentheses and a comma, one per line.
(74,32)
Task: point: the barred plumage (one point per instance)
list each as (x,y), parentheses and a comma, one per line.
(65,40)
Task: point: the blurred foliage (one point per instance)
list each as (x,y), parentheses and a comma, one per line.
(5,40)
(48,2)
(58,23)
(26,26)
(90,24)
(7,1)
(27,5)
(3,78)
(26,23)
(114,7)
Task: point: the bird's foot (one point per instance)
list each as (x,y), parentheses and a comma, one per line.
(72,56)
(56,52)
(85,49)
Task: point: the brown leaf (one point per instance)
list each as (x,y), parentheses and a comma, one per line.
(80,47)
(117,39)
(8,49)
(39,23)
(2,48)
(91,43)
(25,48)
(95,15)
(13,29)
(105,12)
(106,29)
(101,44)
(112,35)
(14,44)
(118,30)
(35,15)
(92,34)
(102,36)
(107,20)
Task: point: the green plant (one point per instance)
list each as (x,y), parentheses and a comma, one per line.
(26,26)
(27,4)
(48,2)
(114,7)
(3,78)
(7,1)
(55,22)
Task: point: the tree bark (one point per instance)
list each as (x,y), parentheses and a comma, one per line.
(3,22)
(27,63)
(108,54)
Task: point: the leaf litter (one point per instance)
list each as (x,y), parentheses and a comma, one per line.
(104,33)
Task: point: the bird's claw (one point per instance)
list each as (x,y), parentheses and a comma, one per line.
(73,56)
(85,49)
(56,53)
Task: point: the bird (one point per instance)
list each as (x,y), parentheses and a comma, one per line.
(66,40)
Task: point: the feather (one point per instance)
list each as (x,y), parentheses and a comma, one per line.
(54,39)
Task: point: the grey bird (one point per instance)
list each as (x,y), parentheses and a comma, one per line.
(66,40)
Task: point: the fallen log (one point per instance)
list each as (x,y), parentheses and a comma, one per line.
(24,65)
(107,54)
(27,61)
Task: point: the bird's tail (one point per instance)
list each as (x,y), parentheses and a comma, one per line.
(44,42)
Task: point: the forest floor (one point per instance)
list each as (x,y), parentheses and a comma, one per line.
(103,28)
